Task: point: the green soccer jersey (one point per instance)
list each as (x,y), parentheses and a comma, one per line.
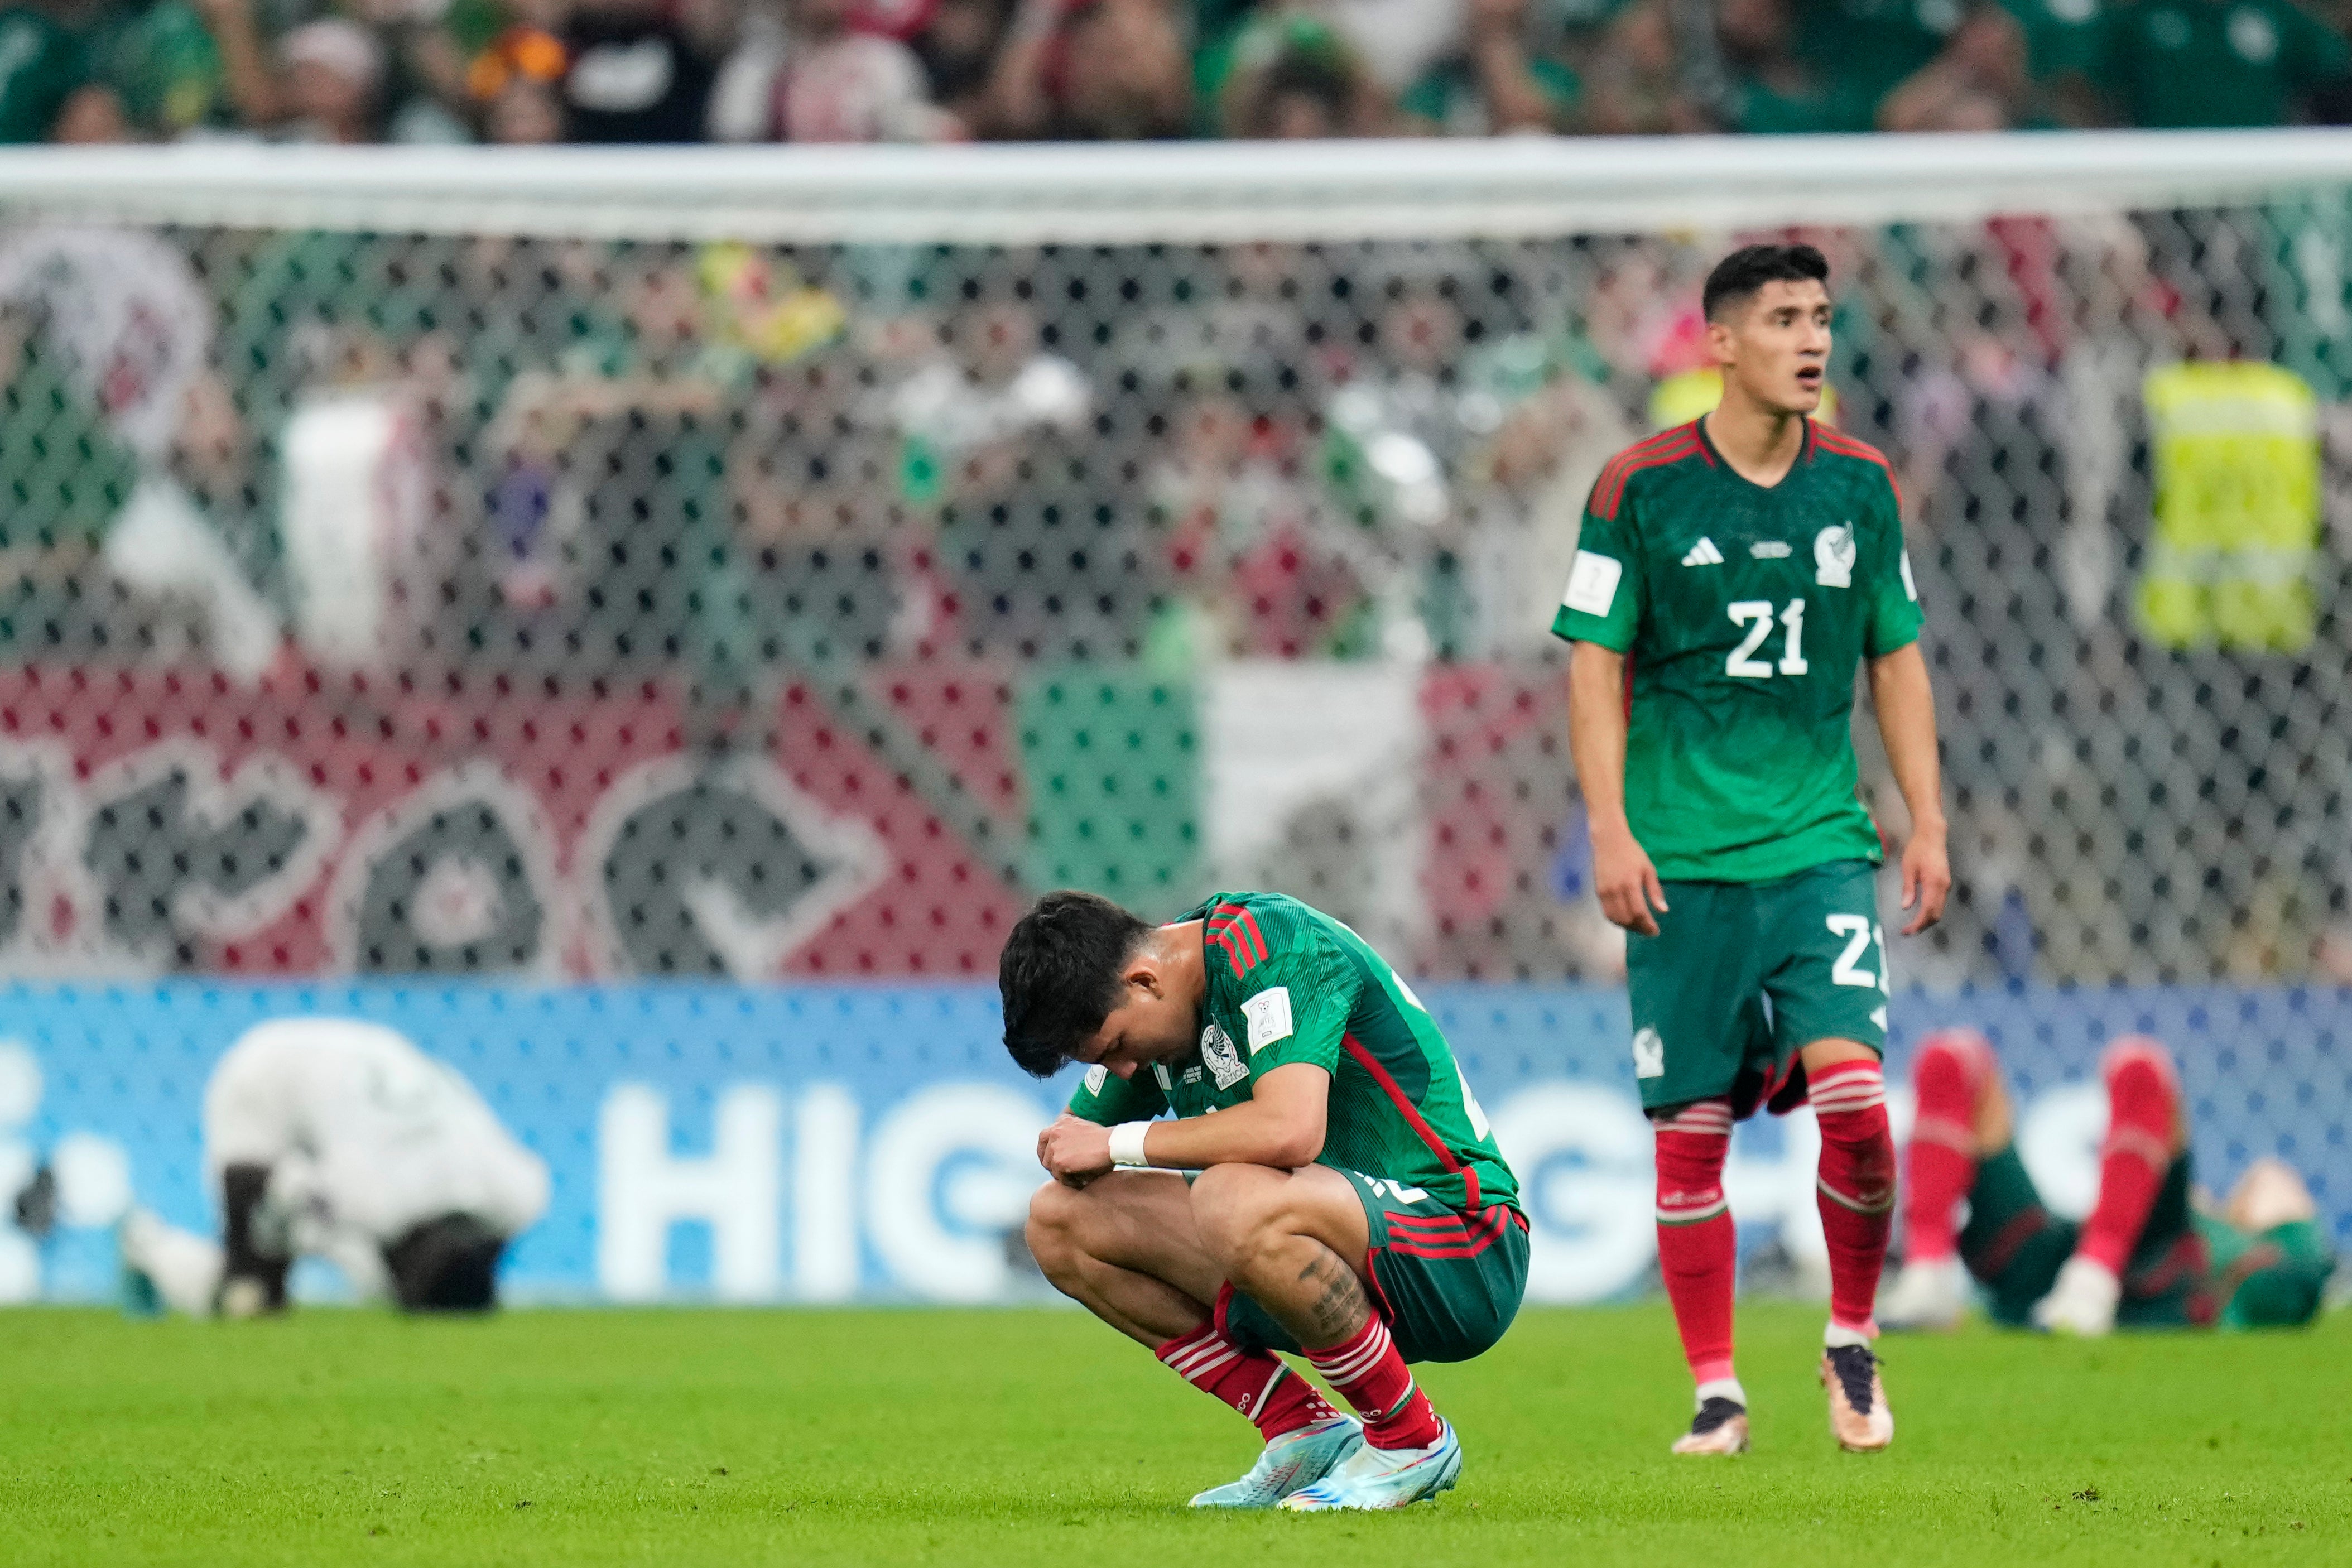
(1744,611)
(1288,983)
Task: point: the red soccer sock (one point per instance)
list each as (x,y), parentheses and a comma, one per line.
(1277,1399)
(1698,1254)
(1940,1166)
(1367,1370)
(2143,1109)
(1856,1186)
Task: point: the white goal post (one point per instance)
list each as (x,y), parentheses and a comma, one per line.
(1195,193)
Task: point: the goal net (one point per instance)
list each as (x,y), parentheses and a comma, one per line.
(785,563)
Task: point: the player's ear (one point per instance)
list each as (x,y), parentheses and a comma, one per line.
(1719,337)
(1142,973)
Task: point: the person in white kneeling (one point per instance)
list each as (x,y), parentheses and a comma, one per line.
(339,1139)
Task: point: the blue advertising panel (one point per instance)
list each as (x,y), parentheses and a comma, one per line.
(827,1143)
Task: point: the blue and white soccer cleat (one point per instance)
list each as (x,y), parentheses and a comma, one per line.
(1293,1460)
(1385,1478)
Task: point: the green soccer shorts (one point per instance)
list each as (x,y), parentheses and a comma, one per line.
(1447,1283)
(1743,975)
(2189,1270)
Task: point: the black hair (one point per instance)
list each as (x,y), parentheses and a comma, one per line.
(1738,276)
(447,1264)
(1059,975)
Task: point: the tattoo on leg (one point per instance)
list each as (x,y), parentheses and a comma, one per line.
(1342,1306)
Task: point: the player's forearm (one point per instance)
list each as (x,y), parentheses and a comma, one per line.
(1246,1134)
(1596,734)
(1906,723)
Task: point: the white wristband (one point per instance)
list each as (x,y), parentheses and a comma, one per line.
(1127,1144)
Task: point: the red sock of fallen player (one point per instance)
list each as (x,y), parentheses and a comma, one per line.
(1941,1164)
(1856,1187)
(1697,1251)
(1259,1386)
(2143,1108)
(1367,1370)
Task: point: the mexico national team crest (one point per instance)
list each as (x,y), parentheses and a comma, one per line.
(1833,556)
(1223,1062)
(1649,1054)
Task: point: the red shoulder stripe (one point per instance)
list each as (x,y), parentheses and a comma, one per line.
(1411,1114)
(1846,445)
(1640,455)
(1666,446)
(1237,927)
(1249,924)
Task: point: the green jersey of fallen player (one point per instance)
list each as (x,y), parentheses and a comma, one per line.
(1288,983)
(1743,611)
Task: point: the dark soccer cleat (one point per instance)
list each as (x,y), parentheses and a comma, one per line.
(1859,1418)
(1719,1428)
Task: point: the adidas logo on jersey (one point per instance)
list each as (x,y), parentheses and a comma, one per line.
(1703,554)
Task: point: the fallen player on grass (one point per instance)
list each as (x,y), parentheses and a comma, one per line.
(2148,1255)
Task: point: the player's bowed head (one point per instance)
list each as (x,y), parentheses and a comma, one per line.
(1083,980)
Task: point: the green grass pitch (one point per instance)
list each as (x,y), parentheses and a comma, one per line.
(1037,1437)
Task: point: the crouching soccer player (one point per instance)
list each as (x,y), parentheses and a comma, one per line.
(1347,1202)
(1730,577)
(2146,1256)
(338,1138)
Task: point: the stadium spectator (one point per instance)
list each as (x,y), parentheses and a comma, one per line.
(1636,83)
(638,72)
(93,116)
(648,576)
(518,83)
(1092,70)
(958,46)
(1858,51)
(843,83)
(1294,77)
(40,66)
(333,82)
(1497,83)
(1771,86)
(1979,82)
(2174,64)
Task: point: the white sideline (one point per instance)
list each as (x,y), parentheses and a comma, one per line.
(1129,193)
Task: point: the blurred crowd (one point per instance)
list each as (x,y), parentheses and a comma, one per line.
(739,468)
(606,71)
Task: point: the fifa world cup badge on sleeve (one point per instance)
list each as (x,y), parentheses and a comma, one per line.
(1268,1013)
(1592,583)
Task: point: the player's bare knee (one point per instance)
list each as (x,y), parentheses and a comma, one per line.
(1244,1211)
(1052,1230)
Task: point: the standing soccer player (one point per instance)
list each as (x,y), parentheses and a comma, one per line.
(1730,574)
(1347,1202)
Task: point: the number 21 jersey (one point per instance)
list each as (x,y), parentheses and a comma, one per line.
(1744,610)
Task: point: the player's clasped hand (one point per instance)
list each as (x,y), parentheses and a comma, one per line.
(1073,1151)
(1628,883)
(1926,878)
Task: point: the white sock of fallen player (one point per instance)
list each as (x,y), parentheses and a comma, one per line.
(185,1267)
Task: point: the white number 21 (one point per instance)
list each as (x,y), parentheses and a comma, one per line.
(1756,616)
(1860,932)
